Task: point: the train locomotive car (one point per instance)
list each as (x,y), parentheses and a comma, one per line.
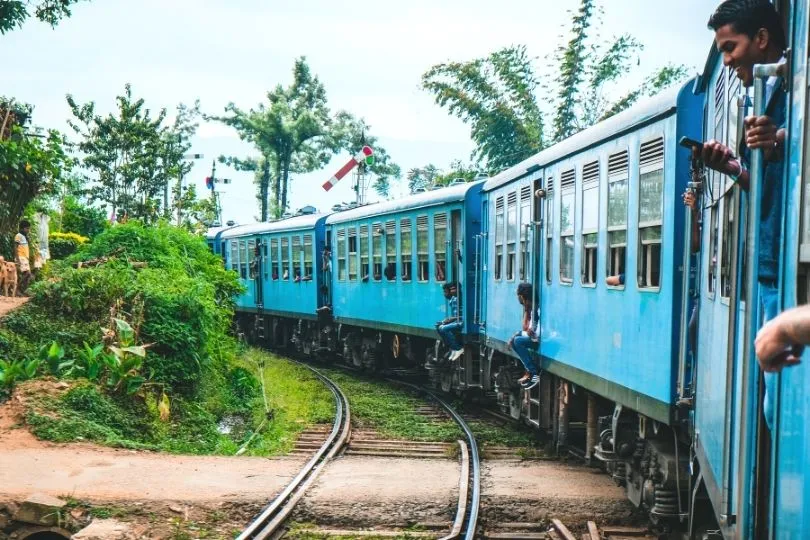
(606,202)
(389,263)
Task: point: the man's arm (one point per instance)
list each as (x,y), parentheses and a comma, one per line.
(791,327)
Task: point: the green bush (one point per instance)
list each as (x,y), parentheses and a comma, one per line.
(62,245)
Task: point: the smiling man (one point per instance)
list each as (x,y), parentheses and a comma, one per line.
(748,32)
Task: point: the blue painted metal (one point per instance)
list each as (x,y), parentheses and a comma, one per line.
(295,298)
(414,306)
(630,348)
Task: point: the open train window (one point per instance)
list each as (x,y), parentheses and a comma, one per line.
(525,226)
(308,256)
(590,222)
(274,259)
(341,254)
(715,179)
(235,256)
(390,251)
(498,237)
(549,225)
(285,258)
(618,175)
(406,248)
(422,253)
(440,246)
(251,258)
(650,213)
(364,252)
(296,257)
(567,180)
(243,262)
(511,235)
(352,233)
(377,233)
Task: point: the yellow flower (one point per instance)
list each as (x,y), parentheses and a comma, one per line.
(27,167)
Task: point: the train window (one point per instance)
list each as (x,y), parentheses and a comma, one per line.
(590,221)
(285,258)
(243,262)
(511,235)
(251,258)
(549,224)
(341,254)
(390,251)
(405,248)
(265,247)
(364,252)
(376,251)
(296,257)
(422,253)
(498,237)
(567,180)
(618,174)
(308,256)
(440,245)
(352,253)
(726,248)
(525,226)
(235,256)
(650,212)
(274,259)
(719,134)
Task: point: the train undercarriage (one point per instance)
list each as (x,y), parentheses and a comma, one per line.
(649,459)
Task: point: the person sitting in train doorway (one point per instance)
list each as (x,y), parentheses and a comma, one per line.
(525,341)
(448,327)
(748,32)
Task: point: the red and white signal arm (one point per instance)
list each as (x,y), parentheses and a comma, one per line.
(366,154)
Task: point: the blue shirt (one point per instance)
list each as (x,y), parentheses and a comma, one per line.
(452,306)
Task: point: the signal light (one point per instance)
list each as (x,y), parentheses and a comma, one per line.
(208,183)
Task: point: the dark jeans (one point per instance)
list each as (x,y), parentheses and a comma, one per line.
(447,333)
(522,345)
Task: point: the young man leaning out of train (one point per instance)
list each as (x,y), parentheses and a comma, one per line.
(525,341)
(749,32)
(448,327)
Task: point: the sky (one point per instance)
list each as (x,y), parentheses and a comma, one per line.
(370,57)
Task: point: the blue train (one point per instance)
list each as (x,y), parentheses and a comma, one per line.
(673,411)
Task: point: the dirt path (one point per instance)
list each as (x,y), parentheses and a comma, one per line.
(8,303)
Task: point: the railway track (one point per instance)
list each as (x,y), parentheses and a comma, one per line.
(269,523)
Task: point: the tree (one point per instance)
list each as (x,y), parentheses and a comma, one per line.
(497,95)
(295,133)
(429,176)
(132,155)
(33,163)
(422,178)
(13,13)
(80,218)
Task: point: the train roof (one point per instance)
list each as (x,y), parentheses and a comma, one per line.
(296,223)
(642,113)
(420,200)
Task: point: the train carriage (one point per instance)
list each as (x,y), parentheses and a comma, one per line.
(389,263)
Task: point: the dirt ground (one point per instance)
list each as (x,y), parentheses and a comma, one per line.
(8,303)
(162,494)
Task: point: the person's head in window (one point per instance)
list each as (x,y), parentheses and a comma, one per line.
(449,290)
(747,32)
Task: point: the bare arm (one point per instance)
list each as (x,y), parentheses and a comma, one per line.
(791,327)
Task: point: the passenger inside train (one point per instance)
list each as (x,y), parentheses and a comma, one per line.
(448,327)
(525,341)
(747,33)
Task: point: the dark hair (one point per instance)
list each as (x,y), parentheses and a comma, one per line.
(747,17)
(525,290)
(24,223)
(448,286)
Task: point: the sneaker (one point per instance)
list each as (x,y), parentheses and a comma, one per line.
(531,383)
(455,355)
(525,378)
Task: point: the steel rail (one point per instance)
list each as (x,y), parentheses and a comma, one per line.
(266,524)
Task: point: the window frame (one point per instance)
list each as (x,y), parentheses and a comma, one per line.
(391,254)
(406,259)
(525,223)
(652,166)
(568,189)
(422,237)
(377,239)
(618,171)
(500,215)
(340,250)
(591,182)
(549,226)
(275,262)
(363,238)
(511,235)
(309,256)
(440,247)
